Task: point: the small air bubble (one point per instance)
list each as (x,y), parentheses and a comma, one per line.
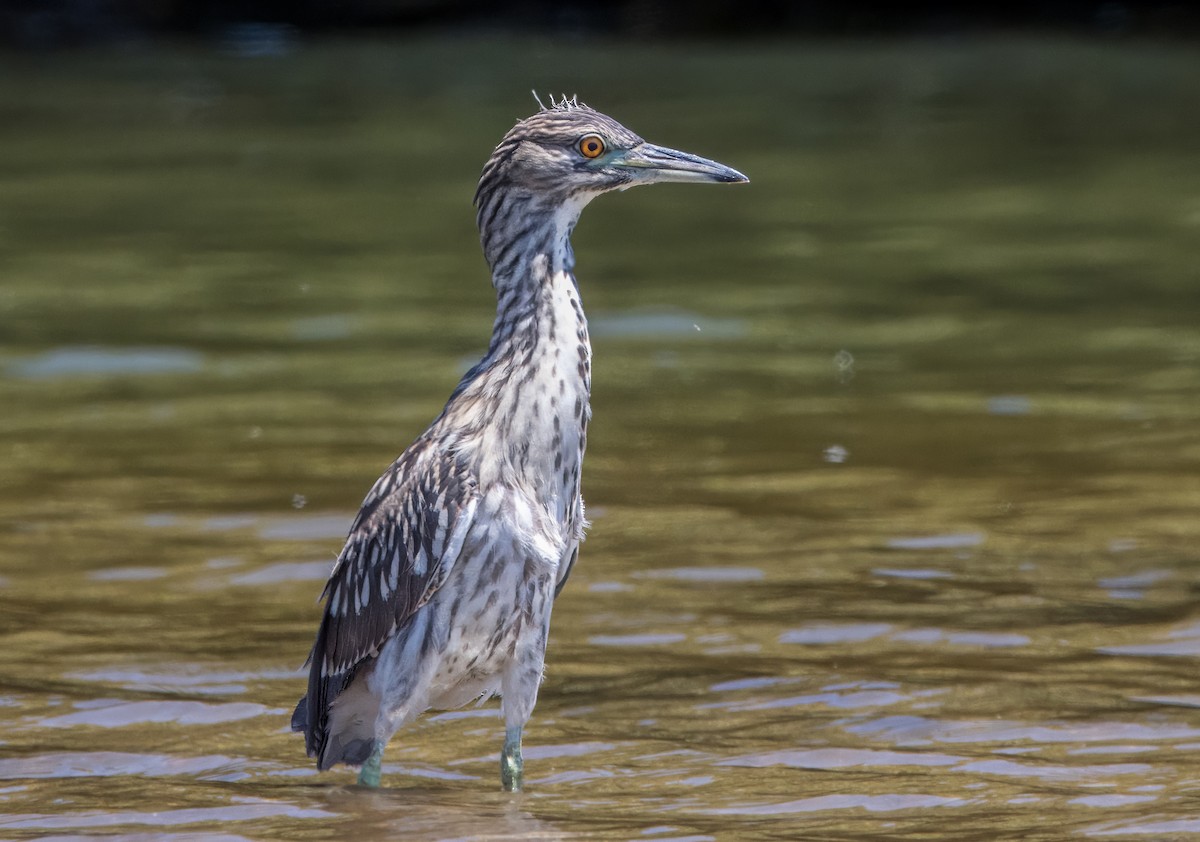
(255,432)
(299,501)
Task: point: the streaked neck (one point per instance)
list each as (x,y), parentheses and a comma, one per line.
(515,228)
(536,377)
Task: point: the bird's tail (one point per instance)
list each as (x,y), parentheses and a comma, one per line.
(348,732)
(300,715)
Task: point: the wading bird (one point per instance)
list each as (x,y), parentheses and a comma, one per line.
(443,590)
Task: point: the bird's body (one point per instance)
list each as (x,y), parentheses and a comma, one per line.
(444,589)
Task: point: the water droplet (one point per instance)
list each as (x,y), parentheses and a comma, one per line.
(835,454)
(843,362)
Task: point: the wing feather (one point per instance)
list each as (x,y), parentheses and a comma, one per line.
(406,538)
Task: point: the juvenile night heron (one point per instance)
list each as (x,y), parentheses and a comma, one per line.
(443,590)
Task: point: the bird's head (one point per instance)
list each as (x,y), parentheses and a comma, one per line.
(569,153)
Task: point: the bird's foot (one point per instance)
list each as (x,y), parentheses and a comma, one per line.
(512,766)
(369,774)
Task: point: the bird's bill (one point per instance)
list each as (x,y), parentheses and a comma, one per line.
(649,164)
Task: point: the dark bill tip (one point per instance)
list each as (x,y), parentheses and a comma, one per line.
(652,163)
(732,177)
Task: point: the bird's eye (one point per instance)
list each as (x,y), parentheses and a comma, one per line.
(591,146)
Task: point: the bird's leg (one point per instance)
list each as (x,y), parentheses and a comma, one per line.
(512,767)
(518,692)
(368,775)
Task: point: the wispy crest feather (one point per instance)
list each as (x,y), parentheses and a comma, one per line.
(563,103)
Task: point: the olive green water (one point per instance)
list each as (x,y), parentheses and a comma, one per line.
(894,469)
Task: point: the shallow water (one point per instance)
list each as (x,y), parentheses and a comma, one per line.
(893,472)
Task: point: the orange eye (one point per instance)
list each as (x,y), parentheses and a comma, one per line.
(591,146)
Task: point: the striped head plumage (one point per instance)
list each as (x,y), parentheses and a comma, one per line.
(561,157)
(569,149)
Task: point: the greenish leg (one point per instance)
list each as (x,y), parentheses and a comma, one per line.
(512,767)
(368,775)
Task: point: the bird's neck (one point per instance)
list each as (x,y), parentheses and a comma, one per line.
(517,228)
(534,384)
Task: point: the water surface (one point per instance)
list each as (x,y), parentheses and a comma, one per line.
(893,473)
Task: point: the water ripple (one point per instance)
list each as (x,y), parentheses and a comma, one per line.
(305,527)
(704,574)
(983,639)
(1159,829)
(823,633)
(911,573)
(82,764)
(1112,800)
(285,571)
(121,714)
(951,541)
(841,758)
(1052,772)
(127,574)
(88,361)
(653,325)
(198,681)
(841,701)
(870,803)
(918,730)
(637,639)
(247,810)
